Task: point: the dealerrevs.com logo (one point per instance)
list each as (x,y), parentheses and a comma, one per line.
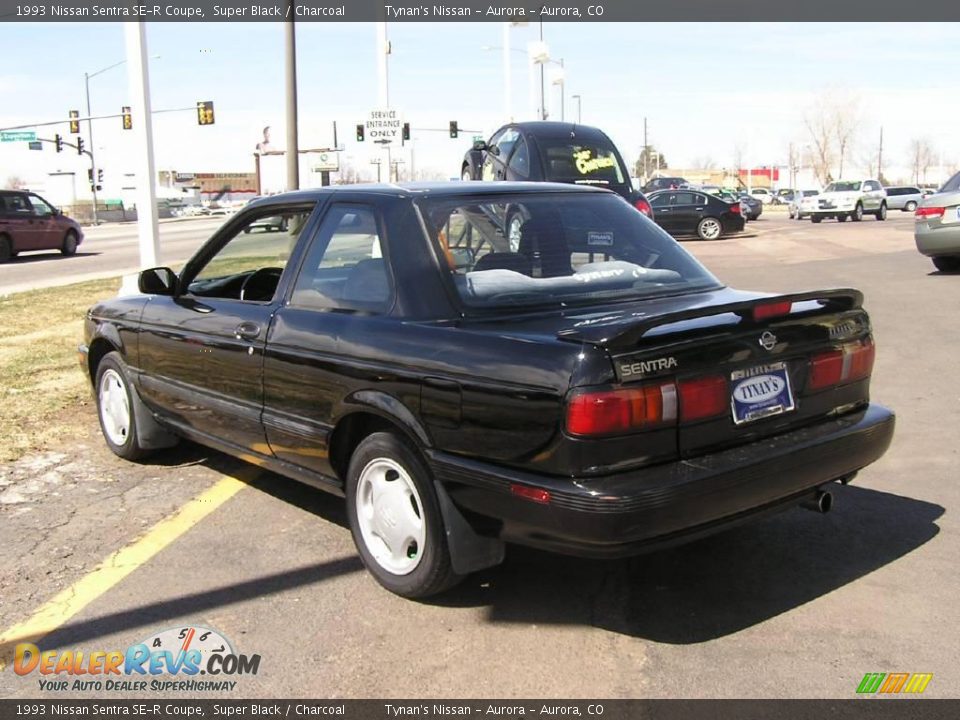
(186,659)
(894,683)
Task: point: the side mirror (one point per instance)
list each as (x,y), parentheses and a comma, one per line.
(158,281)
(480,145)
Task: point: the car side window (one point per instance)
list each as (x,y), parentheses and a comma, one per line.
(520,160)
(506,142)
(684,198)
(248,265)
(17,205)
(661,200)
(344,267)
(39,206)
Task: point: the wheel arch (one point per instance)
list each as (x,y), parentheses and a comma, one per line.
(366,412)
(99,348)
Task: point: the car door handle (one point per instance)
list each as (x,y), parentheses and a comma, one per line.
(247,331)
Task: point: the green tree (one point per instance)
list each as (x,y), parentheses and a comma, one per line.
(646,164)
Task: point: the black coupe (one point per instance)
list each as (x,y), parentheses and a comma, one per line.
(594,391)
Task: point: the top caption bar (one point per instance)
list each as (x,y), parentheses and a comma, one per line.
(466,11)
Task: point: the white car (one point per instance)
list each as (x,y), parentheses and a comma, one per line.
(803,203)
(852,199)
(763,195)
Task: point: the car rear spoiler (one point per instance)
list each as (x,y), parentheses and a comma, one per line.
(625,335)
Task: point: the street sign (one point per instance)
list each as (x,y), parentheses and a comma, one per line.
(36,145)
(327,162)
(18,136)
(384,125)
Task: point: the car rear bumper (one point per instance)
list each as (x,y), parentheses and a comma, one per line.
(940,240)
(632,512)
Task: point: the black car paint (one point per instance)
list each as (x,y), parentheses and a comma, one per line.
(683,218)
(481,393)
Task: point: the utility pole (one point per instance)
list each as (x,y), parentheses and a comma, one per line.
(543,105)
(646,152)
(293,143)
(880,156)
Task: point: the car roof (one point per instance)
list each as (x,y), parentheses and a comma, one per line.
(553,129)
(427,189)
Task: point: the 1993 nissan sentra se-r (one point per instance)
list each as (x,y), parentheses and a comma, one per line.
(594,391)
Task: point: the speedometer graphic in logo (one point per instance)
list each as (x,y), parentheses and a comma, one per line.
(181,640)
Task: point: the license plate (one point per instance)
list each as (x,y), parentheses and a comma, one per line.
(760,392)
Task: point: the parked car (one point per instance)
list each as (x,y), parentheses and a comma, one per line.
(802,204)
(762,194)
(665,183)
(904,198)
(783,196)
(937,227)
(28,222)
(753,204)
(852,199)
(688,212)
(552,152)
(594,393)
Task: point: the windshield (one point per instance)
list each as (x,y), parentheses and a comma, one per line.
(556,249)
(584,164)
(810,193)
(843,187)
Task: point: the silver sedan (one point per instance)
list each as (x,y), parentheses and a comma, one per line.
(937,229)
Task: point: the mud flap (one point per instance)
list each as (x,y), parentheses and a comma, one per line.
(151,434)
(469,551)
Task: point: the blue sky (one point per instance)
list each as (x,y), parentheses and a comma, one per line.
(706,89)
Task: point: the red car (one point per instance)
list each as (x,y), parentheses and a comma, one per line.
(28,222)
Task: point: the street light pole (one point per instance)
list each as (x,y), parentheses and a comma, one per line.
(577,98)
(293,142)
(93,154)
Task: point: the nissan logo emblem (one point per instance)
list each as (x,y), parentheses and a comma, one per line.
(768,340)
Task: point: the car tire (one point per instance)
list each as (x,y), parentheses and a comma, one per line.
(841,218)
(246,231)
(910,206)
(947,263)
(114,399)
(816,218)
(515,220)
(881,214)
(69,246)
(395,518)
(709,228)
(465,174)
(6,249)
(857,214)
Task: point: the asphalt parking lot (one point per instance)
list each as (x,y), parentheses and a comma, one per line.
(797,605)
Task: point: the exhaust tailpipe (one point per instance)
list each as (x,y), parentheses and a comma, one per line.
(821,502)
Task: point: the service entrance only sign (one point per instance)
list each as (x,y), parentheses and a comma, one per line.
(384,125)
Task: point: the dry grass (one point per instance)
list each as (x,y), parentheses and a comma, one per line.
(41,384)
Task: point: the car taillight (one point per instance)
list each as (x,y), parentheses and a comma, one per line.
(926,213)
(735,208)
(703,397)
(850,363)
(644,207)
(769,310)
(609,412)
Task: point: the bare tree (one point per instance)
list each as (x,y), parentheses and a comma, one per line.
(15,182)
(922,157)
(846,118)
(832,123)
(704,162)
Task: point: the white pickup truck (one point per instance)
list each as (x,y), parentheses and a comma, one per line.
(852,199)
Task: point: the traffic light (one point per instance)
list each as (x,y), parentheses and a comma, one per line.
(359,133)
(406,131)
(79,146)
(128,118)
(90,175)
(75,122)
(454,131)
(58,143)
(99,176)
(205,112)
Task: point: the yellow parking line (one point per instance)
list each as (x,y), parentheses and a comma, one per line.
(116,567)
